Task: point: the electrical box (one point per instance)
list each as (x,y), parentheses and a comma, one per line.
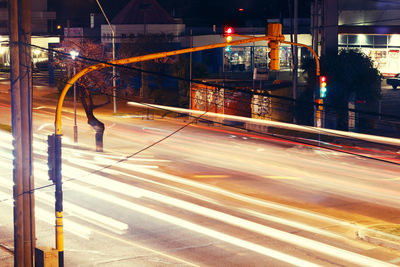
(46,257)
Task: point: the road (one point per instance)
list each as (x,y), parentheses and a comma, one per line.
(163,193)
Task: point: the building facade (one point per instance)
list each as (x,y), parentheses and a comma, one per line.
(41,20)
(374,28)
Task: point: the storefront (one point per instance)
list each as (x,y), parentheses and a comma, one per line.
(246,58)
(384,50)
(39,53)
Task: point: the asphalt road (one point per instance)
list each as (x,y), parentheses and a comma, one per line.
(205,196)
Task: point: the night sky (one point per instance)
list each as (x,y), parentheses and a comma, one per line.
(193,12)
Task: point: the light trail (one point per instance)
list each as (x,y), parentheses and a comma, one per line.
(366,137)
(48,217)
(196,228)
(95,218)
(236,221)
(255,201)
(88,164)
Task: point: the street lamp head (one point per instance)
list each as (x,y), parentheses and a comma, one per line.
(74,54)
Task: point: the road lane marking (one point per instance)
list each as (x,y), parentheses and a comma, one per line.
(210,176)
(393,179)
(283,177)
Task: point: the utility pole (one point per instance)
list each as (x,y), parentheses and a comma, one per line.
(21,116)
(16,132)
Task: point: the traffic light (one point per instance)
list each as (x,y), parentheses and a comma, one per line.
(274,31)
(51,151)
(273,55)
(228,31)
(54,157)
(322,86)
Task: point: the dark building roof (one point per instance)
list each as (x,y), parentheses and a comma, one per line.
(143,12)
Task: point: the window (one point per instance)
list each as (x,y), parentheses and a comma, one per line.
(380,40)
(237,59)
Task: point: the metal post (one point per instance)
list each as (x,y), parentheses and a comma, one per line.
(75,125)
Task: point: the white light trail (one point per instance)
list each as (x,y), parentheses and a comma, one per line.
(233,220)
(6,155)
(6,144)
(105,222)
(254,201)
(69,226)
(293,224)
(44,125)
(48,217)
(197,228)
(107,159)
(373,138)
(88,164)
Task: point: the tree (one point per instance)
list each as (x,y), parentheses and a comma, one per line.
(96,82)
(350,75)
(156,88)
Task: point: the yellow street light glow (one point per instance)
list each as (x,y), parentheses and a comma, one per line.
(361,38)
(74,54)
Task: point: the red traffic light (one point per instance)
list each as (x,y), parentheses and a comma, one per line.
(229,30)
(323,78)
